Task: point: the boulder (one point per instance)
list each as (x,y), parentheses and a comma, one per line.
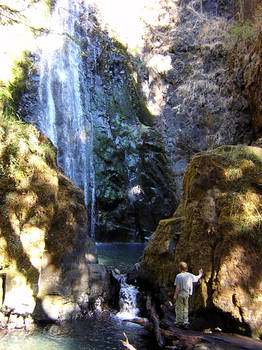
(48,262)
(221,232)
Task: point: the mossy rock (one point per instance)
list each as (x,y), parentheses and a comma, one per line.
(222,234)
(44,243)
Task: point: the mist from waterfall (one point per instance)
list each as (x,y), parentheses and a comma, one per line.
(64,114)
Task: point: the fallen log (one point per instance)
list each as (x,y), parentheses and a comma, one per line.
(170,337)
(187,340)
(126,343)
(153,317)
(142,322)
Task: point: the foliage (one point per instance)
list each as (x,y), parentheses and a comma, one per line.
(50,3)
(241,36)
(244,32)
(234,154)
(10,94)
(20,150)
(9,15)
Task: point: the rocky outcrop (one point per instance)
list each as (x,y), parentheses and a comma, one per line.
(221,232)
(184,78)
(245,52)
(132,184)
(48,263)
(250,73)
(158,259)
(117,157)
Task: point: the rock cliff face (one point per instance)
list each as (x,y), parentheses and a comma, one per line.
(184,79)
(48,264)
(245,58)
(106,144)
(218,225)
(133,188)
(221,231)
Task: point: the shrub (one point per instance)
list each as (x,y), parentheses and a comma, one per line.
(10,94)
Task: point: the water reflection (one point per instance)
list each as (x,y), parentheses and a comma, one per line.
(120,255)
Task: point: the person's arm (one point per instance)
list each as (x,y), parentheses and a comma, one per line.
(176,292)
(196,278)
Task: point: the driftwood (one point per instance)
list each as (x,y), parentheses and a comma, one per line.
(142,322)
(166,334)
(170,337)
(126,343)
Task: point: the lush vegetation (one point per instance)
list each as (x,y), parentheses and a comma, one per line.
(245,28)
(11,93)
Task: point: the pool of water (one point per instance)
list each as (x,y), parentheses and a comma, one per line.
(97,333)
(102,331)
(120,255)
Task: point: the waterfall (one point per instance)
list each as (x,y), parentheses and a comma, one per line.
(64,114)
(127,298)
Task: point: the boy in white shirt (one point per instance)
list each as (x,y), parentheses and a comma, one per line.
(184,288)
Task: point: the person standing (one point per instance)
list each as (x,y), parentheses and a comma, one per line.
(183,289)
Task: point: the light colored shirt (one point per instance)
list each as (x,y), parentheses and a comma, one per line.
(185,280)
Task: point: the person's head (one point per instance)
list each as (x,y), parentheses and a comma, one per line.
(182,266)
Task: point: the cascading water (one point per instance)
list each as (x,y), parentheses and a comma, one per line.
(127,298)
(89,105)
(64,114)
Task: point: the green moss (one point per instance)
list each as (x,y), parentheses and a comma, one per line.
(126,98)
(48,152)
(242,34)
(235,173)
(232,154)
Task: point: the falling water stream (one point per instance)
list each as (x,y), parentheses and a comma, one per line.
(63,113)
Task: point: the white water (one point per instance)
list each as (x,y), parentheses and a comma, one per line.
(64,114)
(122,256)
(127,299)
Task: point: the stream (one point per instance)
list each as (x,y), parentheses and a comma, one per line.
(103,330)
(99,331)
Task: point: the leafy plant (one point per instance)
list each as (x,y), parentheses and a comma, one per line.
(9,15)
(10,94)
(242,35)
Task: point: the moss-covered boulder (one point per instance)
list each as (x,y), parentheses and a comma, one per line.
(44,244)
(222,233)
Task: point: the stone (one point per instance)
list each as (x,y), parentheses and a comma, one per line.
(222,201)
(195,104)
(221,233)
(49,264)
(58,308)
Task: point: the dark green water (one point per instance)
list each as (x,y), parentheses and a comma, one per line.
(120,255)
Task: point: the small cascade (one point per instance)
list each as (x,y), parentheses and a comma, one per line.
(127,298)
